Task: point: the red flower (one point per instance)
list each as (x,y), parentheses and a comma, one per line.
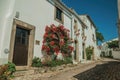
(52,36)
(61,36)
(56,49)
(53,25)
(54,28)
(47,49)
(61,42)
(45,35)
(61,27)
(52,43)
(43,47)
(44,41)
(47,29)
(71,48)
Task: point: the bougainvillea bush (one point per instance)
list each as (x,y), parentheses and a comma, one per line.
(57,40)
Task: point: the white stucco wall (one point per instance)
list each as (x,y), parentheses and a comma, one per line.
(80,42)
(89,32)
(6,9)
(39,13)
(79,38)
(116,54)
(35,12)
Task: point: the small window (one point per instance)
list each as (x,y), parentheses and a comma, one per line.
(75,26)
(58,15)
(93,37)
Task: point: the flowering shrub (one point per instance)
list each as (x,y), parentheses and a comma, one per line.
(6,71)
(57,40)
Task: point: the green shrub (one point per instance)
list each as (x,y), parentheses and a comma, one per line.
(36,62)
(11,67)
(55,63)
(68,60)
(52,63)
(6,71)
(89,52)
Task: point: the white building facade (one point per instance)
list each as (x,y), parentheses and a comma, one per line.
(23,25)
(90,35)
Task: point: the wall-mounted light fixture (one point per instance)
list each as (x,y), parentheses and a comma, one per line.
(17,15)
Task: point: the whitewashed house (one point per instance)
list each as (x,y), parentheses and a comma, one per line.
(105,50)
(23,23)
(89,35)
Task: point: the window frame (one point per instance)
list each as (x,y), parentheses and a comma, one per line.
(55,16)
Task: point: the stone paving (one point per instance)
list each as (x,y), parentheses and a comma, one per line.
(105,69)
(108,71)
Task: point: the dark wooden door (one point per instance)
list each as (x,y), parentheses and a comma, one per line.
(20,55)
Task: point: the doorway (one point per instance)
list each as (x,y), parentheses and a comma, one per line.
(83,51)
(22,43)
(20,54)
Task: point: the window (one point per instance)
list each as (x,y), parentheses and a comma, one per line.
(93,37)
(75,26)
(75,23)
(22,36)
(58,15)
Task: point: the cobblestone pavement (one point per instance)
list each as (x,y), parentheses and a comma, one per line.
(107,71)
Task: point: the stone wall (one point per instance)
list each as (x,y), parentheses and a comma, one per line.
(116,54)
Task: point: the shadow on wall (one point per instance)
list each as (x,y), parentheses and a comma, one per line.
(107,71)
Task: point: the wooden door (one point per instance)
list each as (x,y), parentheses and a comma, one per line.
(20,54)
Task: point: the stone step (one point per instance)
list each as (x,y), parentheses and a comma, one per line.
(40,70)
(24,72)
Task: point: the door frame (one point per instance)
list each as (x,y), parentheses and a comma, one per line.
(29,27)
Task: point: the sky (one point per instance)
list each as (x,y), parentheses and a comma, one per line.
(104,14)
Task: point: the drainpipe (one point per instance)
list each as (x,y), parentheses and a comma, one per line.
(6,6)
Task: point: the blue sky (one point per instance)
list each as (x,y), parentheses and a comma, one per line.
(104,14)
